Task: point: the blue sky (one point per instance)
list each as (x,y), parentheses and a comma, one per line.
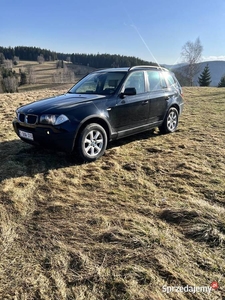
(150,30)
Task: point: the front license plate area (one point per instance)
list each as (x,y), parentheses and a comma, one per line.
(26,135)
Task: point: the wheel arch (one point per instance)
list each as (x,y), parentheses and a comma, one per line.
(163,127)
(168,108)
(94,119)
(175,106)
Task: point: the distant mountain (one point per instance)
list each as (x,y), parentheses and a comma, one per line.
(172,67)
(217,70)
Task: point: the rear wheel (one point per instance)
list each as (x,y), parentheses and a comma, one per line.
(92,142)
(171,121)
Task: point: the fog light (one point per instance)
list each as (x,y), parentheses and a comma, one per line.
(48,132)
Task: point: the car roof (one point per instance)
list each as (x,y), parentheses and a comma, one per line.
(113,70)
(127,69)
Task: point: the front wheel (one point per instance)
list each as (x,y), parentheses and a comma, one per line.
(92,142)
(171,121)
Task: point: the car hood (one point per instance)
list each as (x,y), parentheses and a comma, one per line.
(58,104)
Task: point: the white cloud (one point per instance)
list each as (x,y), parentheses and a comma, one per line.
(213,57)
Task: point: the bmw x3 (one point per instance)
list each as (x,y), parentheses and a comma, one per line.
(103,106)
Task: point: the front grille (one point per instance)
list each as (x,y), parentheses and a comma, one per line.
(29,119)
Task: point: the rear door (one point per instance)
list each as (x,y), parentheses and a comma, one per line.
(158,95)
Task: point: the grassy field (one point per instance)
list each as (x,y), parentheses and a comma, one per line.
(145,218)
(47,74)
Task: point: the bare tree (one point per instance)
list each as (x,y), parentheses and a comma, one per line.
(1,83)
(31,77)
(40,59)
(10,84)
(192,53)
(59,64)
(63,74)
(16,60)
(8,64)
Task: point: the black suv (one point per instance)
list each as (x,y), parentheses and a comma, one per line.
(103,106)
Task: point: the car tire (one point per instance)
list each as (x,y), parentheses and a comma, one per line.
(92,142)
(170,123)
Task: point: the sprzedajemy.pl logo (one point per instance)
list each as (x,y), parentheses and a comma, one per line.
(191,289)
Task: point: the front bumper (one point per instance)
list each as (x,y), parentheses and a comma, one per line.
(55,137)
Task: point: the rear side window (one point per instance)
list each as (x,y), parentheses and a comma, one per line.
(156,81)
(170,78)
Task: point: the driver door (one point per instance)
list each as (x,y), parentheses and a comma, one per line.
(131,111)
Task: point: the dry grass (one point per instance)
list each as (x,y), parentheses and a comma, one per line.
(43,74)
(149,213)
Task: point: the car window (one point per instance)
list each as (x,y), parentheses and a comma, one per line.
(170,79)
(156,80)
(136,80)
(111,83)
(103,83)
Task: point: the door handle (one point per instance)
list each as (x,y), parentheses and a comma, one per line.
(145,102)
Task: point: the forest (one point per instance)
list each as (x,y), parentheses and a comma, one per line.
(92,60)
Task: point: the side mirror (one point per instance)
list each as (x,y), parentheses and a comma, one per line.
(128,92)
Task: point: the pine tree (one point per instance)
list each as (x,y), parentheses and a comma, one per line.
(205,78)
(222,82)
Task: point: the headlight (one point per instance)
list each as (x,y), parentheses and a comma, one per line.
(53,119)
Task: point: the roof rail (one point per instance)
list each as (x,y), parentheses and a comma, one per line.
(147,66)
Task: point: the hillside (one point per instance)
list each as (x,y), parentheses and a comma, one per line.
(217,70)
(145,218)
(93,60)
(48,74)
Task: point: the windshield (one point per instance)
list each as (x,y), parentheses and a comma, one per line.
(103,83)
